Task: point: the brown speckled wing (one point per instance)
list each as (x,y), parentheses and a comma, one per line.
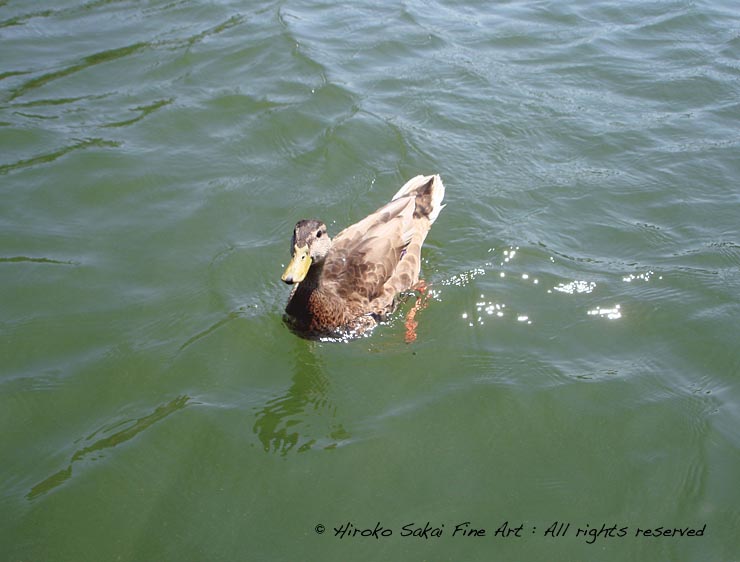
(364,256)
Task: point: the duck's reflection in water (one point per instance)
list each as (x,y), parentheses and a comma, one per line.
(304,417)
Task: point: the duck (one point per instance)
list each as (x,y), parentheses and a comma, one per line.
(346,286)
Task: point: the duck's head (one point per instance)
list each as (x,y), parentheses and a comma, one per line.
(309,245)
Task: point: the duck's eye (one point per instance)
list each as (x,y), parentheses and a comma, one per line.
(318,234)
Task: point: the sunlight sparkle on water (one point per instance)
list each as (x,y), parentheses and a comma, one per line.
(575,287)
(611,313)
(434,294)
(488,308)
(485,308)
(463,279)
(640,277)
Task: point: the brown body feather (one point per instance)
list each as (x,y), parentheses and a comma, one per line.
(352,281)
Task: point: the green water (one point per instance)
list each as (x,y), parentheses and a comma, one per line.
(577,361)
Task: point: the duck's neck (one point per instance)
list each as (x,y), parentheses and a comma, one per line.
(312,280)
(305,296)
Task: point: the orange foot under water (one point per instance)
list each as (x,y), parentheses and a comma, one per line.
(421,303)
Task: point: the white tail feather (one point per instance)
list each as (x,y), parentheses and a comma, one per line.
(438,193)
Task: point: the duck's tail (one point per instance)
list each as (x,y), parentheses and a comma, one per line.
(429,192)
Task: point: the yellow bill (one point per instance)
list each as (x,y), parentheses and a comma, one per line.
(298,266)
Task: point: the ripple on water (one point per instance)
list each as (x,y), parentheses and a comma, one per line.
(114,434)
(582,282)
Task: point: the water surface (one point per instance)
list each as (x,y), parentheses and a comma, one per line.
(577,360)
